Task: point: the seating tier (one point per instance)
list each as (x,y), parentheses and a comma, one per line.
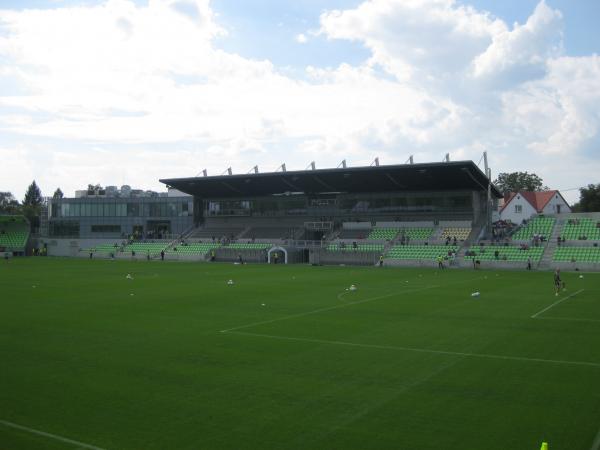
(192,249)
(581,229)
(358,248)
(249,246)
(430,252)
(512,253)
(13,239)
(461,233)
(538,225)
(578,254)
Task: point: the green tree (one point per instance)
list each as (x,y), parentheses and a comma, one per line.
(519,181)
(589,199)
(58,193)
(32,205)
(9,204)
(33,196)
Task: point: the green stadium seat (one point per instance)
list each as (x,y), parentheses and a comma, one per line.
(578,229)
(192,249)
(429,252)
(510,253)
(359,248)
(538,225)
(250,246)
(577,254)
(14,232)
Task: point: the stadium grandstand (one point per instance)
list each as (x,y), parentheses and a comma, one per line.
(400,215)
(407,214)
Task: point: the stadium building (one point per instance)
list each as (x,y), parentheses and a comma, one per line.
(397,215)
(343,215)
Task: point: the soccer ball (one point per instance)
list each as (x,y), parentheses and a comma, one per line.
(580,276)
(352,287)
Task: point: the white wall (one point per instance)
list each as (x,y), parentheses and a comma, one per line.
(550,208)
(526,210)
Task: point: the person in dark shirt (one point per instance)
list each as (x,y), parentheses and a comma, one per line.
(558,283)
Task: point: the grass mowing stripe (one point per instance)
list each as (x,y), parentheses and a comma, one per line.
(556,303)
(49,435)
(420,350)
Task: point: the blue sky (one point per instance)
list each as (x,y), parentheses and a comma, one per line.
(121,91)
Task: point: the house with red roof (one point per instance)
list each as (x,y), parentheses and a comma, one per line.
(524,204)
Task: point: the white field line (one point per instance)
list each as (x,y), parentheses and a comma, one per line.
(596,443)
(556,303)
(422,350)
(49,435)
(329,308)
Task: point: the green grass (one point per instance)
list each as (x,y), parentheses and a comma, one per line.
(408,361)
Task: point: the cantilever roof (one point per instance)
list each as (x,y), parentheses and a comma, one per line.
(458,175)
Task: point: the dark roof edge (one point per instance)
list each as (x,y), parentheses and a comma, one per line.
(416,166)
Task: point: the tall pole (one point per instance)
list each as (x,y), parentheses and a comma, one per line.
(488,208)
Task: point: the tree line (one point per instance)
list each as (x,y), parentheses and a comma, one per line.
(31,205)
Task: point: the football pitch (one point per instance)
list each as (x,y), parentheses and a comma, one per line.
(287,357)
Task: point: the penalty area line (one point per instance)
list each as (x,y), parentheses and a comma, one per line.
(556,303)
(56,437)
(421,350)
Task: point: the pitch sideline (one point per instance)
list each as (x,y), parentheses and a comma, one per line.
(73,442)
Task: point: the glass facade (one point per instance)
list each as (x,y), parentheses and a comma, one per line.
(121,208)
(344,204)
(147,217)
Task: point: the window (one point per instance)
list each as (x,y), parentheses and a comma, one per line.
(64,228)
(518,209)
(106,228)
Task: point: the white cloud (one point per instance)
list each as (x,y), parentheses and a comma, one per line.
(522,53)
(301,38)
(441,77)
(560,113)
(415,39)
